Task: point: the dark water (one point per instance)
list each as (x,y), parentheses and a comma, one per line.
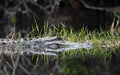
(64,64)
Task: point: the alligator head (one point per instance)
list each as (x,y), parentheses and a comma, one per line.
(54,45)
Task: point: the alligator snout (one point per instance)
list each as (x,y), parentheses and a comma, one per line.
(59,46)
(73,45)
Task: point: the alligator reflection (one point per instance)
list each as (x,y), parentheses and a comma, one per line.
(47,45)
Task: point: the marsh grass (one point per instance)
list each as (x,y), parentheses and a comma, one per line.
(102,40)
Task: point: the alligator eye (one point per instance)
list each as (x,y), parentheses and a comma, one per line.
(59,38)
(53,46)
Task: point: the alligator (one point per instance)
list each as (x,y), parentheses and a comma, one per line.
(46,46)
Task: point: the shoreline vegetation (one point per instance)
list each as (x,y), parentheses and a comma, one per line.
(105,42)
(99,59)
